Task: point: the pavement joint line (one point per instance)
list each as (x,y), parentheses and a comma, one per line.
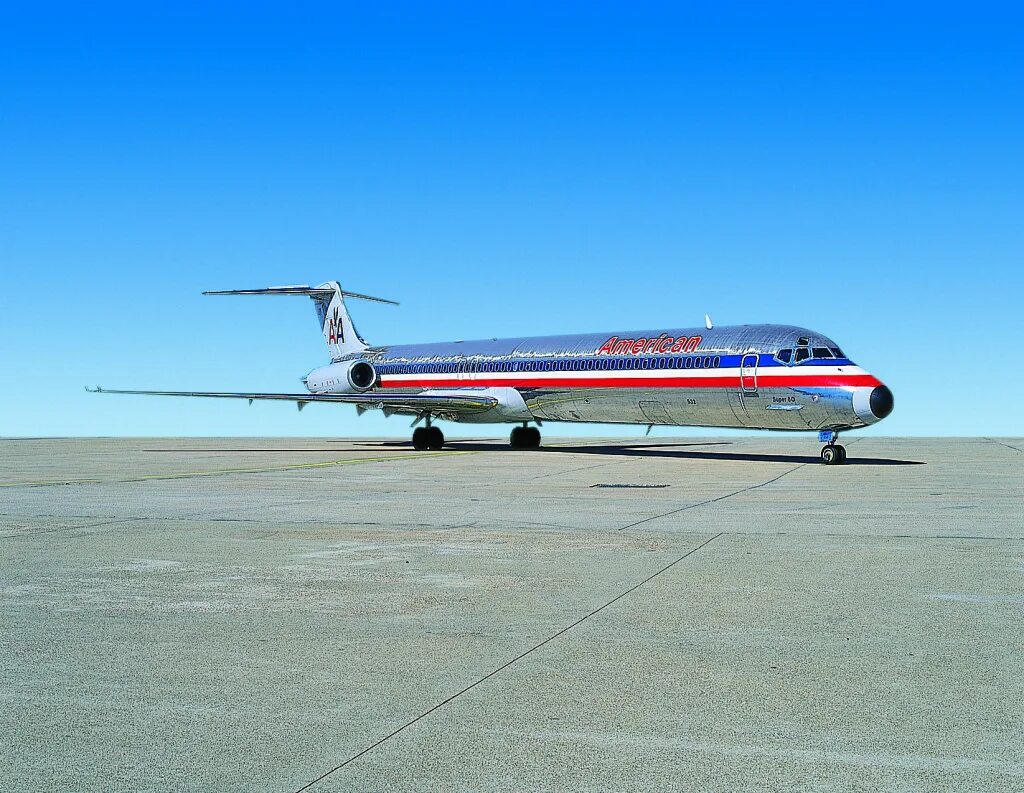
(538,526)
(507,664)
(722,498)
(711,500)
(574,470)
(66,529)
(229,471)
(114,520)
(1007,445)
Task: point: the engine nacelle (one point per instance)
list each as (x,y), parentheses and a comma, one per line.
(346,377)
(361,375)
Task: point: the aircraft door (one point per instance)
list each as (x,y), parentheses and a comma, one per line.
(748,374)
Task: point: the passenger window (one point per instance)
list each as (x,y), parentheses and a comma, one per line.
(822,352)
(802,354)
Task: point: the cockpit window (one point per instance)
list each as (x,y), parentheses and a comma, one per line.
(822,352)
(802,354)
(785,356)
(838,353)
(802,341)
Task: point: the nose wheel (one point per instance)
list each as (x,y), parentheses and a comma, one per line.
(833,454)
(524,438)
(424,438)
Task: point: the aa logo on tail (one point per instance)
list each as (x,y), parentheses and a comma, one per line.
(335,328)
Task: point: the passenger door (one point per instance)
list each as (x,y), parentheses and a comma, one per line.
(748,374)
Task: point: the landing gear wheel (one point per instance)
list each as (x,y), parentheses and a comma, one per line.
(833,455)
(421,438)
(435,438)
(524,438)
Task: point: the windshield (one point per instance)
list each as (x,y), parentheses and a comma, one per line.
(793,356)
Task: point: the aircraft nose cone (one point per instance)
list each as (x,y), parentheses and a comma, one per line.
(881,401)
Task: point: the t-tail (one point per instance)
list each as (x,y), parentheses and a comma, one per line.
(329,299)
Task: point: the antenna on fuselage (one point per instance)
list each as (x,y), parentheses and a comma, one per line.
(708,323)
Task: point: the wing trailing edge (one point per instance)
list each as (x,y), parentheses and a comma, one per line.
(451,404)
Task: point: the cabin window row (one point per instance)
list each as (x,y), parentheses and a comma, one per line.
(563,365)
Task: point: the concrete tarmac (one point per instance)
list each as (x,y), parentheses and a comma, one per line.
(660,614)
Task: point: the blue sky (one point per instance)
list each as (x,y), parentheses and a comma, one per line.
(501,169)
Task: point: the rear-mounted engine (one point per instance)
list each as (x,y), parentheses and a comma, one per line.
(361,376)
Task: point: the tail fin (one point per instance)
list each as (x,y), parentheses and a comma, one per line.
(340,334)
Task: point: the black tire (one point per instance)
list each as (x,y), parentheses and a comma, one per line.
(524,438)
(435,438)
(842,454)
(830,455)
(420,439)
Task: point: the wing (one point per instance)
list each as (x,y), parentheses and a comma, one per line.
(438,404)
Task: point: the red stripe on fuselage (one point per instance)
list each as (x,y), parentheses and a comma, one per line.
(764,381)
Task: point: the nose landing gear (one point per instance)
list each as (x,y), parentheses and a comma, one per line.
(524,438)
(832,453)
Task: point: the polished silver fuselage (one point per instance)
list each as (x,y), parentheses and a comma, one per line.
(721,377)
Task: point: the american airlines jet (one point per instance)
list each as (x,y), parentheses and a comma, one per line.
(767,377)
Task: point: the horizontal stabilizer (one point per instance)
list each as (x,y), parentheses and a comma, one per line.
(310,291)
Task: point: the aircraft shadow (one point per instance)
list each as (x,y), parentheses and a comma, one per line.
(629,451)
(669,451)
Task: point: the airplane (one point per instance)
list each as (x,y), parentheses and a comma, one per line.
(765,377)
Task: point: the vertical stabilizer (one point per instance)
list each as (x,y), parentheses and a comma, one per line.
(340,334)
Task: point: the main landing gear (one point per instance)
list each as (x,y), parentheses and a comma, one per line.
(428,437)
(832,453)
(525,437)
